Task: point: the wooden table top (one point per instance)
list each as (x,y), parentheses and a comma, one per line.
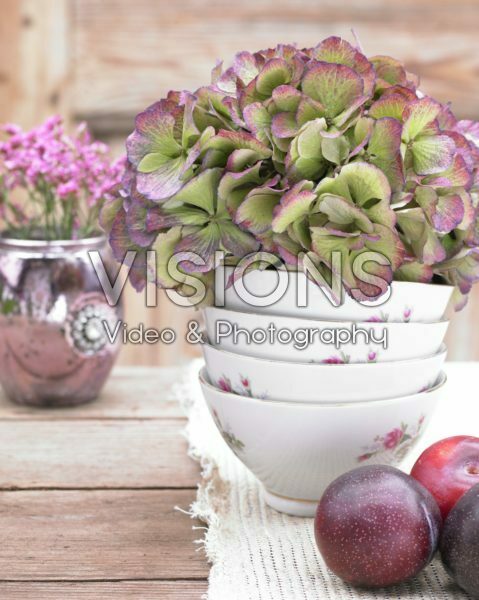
(88,497)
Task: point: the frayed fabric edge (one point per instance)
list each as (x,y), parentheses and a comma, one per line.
(213,491)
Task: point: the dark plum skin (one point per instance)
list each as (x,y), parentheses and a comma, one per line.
(376,526)
(460,542)
(448,469)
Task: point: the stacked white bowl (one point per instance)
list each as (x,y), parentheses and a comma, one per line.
(299,408)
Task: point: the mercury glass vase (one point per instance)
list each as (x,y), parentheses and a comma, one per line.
(54,316)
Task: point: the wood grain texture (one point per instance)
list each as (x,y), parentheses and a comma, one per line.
(90,454)
(125,59)
(94,541)
(124,590)
(98,535)
(130,393)
(35,63)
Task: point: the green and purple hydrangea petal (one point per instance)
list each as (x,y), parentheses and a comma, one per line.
(255,214)
(239,243)
(233,187)
(165,218)
(258,121)
(304,159)
(273,74)
(389,72)
(164,248)
(339,51)
(432,154)
(420,236)
(200,191)
(444,212)
(294,205)
(458,175)
(309,110)
(190,132)
(204,242)
(414,271)
(136,218)
(284,125)
(121,244)
(335,150)
(110,208)
(286,98)
(154,133)
(335,87)
(392,106)
(327,241)
(245,66)
(366,183)
(165,180)
(418,116)
(227,141)
(388,243)
(384,150)
(343,212)
(241,159)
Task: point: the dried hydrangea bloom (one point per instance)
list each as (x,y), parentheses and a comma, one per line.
(309,150)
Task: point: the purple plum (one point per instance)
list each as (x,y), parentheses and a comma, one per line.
(460,542)
(376,526)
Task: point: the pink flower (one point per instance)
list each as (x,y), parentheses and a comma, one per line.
(65,189)
(333,360)
(374,320)
(364,457)
(392,439)
(407,314)
(49,164)
(372,356)
(244,382)
(224,384)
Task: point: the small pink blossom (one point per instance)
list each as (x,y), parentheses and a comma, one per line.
(333,360)
(392,439)
(372,356)
(244,382)
(65,189)
(364,457)
(224,384)
(53,166)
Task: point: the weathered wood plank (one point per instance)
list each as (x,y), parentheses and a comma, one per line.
(139,392)
(90,454)
(124,590)
(35,59)
(98,535)
(125,60)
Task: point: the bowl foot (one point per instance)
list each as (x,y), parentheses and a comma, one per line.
(291,506)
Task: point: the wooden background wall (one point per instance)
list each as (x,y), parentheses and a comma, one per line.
(105,60)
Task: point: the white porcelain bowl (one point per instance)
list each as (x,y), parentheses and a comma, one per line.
(407,301)
(307,382)
(331,341)
(297,449)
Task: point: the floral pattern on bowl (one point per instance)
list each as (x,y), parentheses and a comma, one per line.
(344,359)
(341,359)
(396,442)
(242,389)
(233,442)
(384,317)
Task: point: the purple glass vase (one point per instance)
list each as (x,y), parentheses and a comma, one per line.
(54,315)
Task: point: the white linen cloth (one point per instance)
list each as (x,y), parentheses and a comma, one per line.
(259,554)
